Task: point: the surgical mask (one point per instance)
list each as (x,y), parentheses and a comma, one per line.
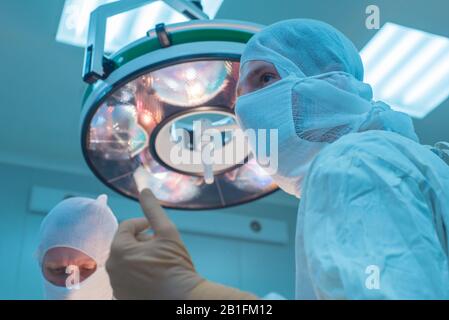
(320,98)
(271,108)
(309,113)
(95,287)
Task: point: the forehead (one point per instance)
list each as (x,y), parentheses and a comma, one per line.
(66,255)
(254,64)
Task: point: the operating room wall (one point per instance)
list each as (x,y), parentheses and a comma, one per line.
(256,266)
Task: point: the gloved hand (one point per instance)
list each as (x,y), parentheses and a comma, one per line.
(157,266)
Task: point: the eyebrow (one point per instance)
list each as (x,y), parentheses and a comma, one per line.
(54,265)
(256,71)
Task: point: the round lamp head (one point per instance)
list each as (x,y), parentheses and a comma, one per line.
(131,119)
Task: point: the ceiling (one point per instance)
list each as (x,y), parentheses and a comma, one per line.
(41,85)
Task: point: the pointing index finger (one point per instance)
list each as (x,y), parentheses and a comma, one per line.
(156,216)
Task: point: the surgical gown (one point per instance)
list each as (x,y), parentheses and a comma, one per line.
(374,202)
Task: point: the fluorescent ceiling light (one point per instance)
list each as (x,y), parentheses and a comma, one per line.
(408,68)
(123,28)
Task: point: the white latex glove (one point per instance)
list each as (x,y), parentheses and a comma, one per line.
(158,266)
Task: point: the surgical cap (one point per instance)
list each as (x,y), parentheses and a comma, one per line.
(308,49)
(304,47)
(87,225)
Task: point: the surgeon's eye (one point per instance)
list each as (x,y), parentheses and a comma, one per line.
(267,78)
(57,271)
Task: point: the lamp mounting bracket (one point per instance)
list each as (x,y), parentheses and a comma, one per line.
(96,65)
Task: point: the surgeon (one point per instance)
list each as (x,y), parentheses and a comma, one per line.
(75,239)
(374,210)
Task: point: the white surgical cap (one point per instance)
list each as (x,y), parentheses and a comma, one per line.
(323,111)
(304,47)
(84,224)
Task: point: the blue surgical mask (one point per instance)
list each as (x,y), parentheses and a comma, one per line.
(271,108)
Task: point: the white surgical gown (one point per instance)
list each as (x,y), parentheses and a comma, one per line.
(374,201)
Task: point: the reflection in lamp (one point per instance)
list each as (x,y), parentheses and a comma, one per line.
(191,83)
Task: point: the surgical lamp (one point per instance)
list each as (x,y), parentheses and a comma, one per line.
(175,76)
